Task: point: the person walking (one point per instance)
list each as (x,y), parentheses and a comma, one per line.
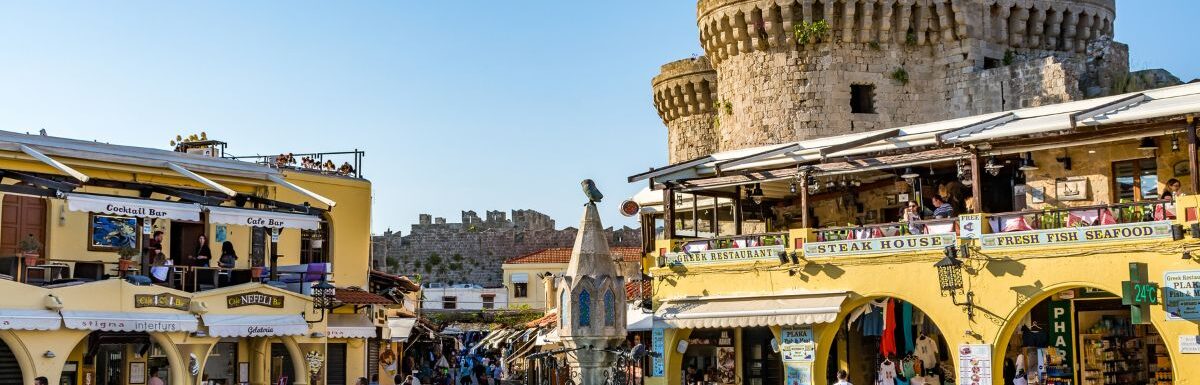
(842,377)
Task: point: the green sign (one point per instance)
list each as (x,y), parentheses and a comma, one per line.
(1139,293)
(1062,328)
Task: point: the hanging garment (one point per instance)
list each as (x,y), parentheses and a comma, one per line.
(906,310)
(918,380)
(887,373)
(927,351)
(918,366)
(887,344)
(906,368)
(872,323)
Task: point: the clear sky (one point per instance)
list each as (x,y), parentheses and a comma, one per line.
(464,105)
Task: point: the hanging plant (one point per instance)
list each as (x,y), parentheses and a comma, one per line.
(810,32)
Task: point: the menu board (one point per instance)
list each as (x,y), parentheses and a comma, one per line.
(974,364)
(1181,294)
(798,373)
(797,344)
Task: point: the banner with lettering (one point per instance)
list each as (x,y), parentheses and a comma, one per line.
(1181,295)
(657,345)
(1062,328)
(1143,231)
(743,254)
(260,218)
(132,207)
(254,298)
(797,344)
(883,245)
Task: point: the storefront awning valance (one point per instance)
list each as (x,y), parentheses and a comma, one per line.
(240,325)
(350,326)
(729,312)
(520,278)
(400,329)
(132,207)
(25,319)
(129,321)
(260,218)
(637,320)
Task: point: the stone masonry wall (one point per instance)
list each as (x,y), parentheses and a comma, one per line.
(474,250)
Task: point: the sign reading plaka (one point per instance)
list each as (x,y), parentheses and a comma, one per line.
(163,300)
(744,254)
(878,245)
(1181,294)
(797,344)
(1124,232)
(254,298)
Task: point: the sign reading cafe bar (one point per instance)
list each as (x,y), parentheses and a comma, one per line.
(1074,235)
(743,254)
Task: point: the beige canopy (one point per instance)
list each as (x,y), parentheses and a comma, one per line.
(748,311)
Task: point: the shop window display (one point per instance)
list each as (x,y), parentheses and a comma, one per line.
(710,358)
(1085,337)
(891,342)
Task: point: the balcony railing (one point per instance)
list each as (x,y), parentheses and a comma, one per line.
(733,242)
(58,272)
(322,162)
(883,230)
(1096,215)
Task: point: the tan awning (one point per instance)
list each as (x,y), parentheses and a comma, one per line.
(732,312)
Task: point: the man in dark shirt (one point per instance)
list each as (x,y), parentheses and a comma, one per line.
(942,209)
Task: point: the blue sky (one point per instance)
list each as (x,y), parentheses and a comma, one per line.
(468,105)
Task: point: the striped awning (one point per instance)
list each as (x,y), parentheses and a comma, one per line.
(732,312)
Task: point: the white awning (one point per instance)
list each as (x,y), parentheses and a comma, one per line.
(129,321)
(637,320)
(731,312)
(241,325)
(259,218)
(400,328)
(520,278)
(350,326)
(132,207)
(26,319)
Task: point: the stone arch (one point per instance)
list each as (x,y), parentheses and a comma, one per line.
(299,365)
(1013,319)
(21,353)
(175,363)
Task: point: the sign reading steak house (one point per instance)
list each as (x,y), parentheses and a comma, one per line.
(878,245)
(744,254)
(254,298)
(1123,232)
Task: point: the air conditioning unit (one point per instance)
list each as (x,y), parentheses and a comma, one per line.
(205,151)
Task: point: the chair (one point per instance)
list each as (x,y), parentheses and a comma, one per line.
(206,279)
(10,265)
(239,276)
(89,271)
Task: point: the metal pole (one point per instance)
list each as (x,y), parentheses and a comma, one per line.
(1193,160)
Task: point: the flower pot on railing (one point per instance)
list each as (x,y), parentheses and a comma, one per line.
(256,272)
(31,259)
(124,265)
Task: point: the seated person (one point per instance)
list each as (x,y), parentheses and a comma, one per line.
(942,208)
(162,268)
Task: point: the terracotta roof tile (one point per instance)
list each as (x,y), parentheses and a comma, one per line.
(631,289)
(563,255)
(549,319)
(361,297)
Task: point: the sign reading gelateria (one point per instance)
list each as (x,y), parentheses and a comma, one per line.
(1075,235)
(878,245)
(744,254)
(254,298)
(163,300)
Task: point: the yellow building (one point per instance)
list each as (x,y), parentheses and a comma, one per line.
(77,312)
(524,275)
(1060,250)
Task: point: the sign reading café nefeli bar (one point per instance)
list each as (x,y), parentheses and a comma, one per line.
(1076,235)
(743,254)
(878,245)
(254,299)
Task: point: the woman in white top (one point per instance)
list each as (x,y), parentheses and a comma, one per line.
(160,270)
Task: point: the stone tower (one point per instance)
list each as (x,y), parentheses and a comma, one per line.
(869,64)
(591,300)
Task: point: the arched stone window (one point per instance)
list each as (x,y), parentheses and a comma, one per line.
(585,308)
(610,308)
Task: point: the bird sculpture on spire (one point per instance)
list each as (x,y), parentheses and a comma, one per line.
(589,189)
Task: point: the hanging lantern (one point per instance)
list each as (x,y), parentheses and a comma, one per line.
(1027,163)
(757,194)
(1175,143)
(323,295)
(950,272)
(992,167)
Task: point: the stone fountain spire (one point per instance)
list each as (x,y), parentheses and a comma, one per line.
(591,300)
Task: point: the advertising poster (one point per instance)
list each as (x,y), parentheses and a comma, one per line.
(798,373)
(657,342)
(726,364)
(797,344)
(975,364)
(1181,295)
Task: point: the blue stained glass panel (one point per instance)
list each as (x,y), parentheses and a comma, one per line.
(585,308)
(610,309)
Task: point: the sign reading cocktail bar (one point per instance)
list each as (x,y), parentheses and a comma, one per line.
(743,254)
(1069,236)
(254,299)
(878,245)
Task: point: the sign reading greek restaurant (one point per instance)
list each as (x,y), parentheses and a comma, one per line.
(744,254)
(1075,235)
(255,299)
(878,245)
(1181,295)
(163,300)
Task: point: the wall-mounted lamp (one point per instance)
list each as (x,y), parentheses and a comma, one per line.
(199,334)
(1147,144)
(1065,160)
(950,279)
(1175,143)
(1027,163)
(992,167)
(1187,255)
(48,354)
(52,302)
(317,335)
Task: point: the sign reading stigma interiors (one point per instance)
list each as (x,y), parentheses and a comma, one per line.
(744,254)
(1075,235)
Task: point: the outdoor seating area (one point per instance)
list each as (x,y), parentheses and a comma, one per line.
(58,272)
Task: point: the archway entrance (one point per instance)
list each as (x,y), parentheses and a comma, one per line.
(10,370)
(890,341)
(1084,336)
(115,358)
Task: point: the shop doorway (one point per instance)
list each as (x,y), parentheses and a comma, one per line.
(183,241)
(335,364)
(1086,337)
(117,358)
(10,371)
(222,364)
(890,341)
(711,358)
(760,364)
(22,216)
(282,371)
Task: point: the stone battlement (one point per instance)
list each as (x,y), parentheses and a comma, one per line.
(685,94)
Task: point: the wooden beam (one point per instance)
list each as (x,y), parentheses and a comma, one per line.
(669,213)
(1106,108)
(1193,160)
(282,182)
(202,180)
(27,190)
(826,151)
(39,181)
(54,163)
(976,185)
(804,199)
(757,156)
(975,127)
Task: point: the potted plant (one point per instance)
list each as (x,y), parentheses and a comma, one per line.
(29,250)
(256,268)
(127,253)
